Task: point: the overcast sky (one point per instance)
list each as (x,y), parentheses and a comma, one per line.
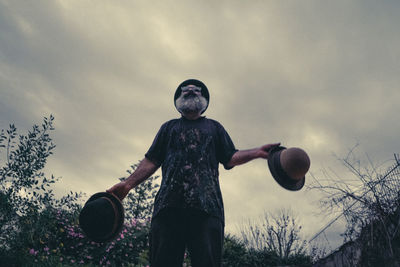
(320,75)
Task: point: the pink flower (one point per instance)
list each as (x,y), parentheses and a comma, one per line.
(122,235)
(32,251)
(46,249)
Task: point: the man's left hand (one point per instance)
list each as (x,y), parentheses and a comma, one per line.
(263,151)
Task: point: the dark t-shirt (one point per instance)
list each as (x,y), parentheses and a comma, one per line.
(189,153)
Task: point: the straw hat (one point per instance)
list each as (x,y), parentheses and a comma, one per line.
(288,166)
(102,217)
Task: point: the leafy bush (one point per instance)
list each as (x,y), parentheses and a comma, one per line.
(235,252)
(39,230)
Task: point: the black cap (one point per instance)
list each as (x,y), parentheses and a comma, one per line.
(204,90)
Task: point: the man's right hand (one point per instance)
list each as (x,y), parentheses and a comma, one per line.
(120,190)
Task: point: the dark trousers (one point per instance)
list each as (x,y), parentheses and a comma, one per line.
(173,230)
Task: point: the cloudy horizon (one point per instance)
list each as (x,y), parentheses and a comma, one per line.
(322,76)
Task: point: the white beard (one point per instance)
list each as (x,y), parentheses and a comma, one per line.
(191,104)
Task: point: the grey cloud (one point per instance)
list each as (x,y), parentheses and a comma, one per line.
(322,76)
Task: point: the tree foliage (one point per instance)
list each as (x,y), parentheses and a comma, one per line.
(25,191)
(38,229)
(22,180)
(139,201)
(369,201)
(277,233)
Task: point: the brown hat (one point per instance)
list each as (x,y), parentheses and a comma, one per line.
(288,167)
(102,217)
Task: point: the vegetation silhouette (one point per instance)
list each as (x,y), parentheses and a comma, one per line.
(39,229)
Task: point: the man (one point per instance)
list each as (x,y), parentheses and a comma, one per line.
(188,209)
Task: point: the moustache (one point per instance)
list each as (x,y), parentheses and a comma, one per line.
(190,94)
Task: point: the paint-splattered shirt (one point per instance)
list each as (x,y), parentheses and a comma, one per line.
(189,153)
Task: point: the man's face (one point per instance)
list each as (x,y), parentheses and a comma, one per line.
(191,100)
(191,90)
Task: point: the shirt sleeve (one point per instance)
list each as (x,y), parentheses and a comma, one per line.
(157,150)
(225,147)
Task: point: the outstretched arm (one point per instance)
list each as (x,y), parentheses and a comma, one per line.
(244,156)
(145,169)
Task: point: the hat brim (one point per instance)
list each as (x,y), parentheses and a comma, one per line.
(280,176)
(118,220)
